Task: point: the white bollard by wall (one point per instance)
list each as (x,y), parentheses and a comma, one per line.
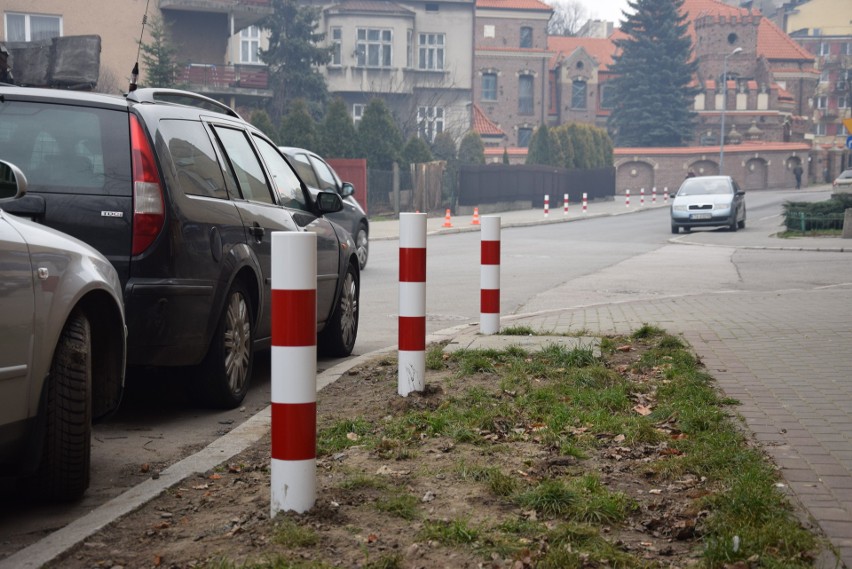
(489,296)
(654,195)
(666,194)
(293,371)
(412,303)
(642,197)
(546,204)
(585,201)
(627,198)
(565,204)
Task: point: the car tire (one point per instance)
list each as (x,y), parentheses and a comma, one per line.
(224,376)
(741,224)
(675,229)
(338,337)
(733,223)
(362,246)
(63,472)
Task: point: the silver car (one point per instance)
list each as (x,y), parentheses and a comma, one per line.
(843,182)
(319,175)
(708,201)
(62,349)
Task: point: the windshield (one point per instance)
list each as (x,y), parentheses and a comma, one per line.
(699,187)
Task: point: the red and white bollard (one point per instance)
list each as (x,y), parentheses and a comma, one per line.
(412,303)
(642,197)
(293,371)
(546,204)
(666,194)
(565,204)
(489,283)
(627,198)
(654,195)
(585,202)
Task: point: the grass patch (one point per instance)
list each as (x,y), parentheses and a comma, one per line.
(451,532)
(291,535)
(401,505)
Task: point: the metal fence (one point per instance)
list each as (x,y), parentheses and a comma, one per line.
(813,222)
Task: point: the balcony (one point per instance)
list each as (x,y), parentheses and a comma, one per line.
(225,79)
(245,12)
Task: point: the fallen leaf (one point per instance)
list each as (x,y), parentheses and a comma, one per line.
(619,439)
(372,538)
(624,348)
(642,410)
(201,487)
(352,436)
(215,476)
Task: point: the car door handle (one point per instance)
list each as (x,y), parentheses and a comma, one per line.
(256,231)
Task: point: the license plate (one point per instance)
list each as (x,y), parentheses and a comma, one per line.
(701,216)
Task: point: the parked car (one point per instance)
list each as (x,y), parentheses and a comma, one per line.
(708,201)
(62,348)
(843,181)
(182,196)
(319,175)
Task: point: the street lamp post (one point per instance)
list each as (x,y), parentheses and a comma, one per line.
(724,107)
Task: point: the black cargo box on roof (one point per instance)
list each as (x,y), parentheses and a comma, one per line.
(70,62)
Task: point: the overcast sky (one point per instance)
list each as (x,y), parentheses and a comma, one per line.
(604,9)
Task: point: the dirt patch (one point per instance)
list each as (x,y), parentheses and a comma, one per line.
(224,514)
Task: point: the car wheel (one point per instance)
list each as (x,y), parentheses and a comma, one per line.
(338,337)
(733,223)
(64,469)
(362,246)
(741,224)
(224,375)
(675,229)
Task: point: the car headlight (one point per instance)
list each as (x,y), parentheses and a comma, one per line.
(679,208)
(725,205)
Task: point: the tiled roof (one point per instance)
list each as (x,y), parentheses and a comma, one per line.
(514,5)
(483,125)
(600,49)
(775,44)
(511,49)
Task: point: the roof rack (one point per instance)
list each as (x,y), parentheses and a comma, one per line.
(180,97)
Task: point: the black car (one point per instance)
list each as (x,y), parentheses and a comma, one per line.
(182,196)
(319,175)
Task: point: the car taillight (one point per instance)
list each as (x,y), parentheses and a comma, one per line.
(148,208)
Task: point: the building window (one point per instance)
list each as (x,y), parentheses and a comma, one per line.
(431,49)
(607,96)
(357,113)
(579,90)
(32,27)
(819,129)
(374,47)
(524,136)
(250,45)
(823,76)
(846,48)
(488,31)
(430,121)
(842,101)
(820,102)
(525,95)
(489,86)
(409,48)
(337,46)
(526,36)
(824,48)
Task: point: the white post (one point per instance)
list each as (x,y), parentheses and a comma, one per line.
(546,204)
(489,297)
(585,202)
(293,371)
(412,303)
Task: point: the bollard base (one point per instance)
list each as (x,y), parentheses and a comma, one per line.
(293,485)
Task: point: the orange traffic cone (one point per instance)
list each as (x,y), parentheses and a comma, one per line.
(447,222)
(475,220)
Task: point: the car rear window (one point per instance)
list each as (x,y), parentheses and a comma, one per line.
(67,149)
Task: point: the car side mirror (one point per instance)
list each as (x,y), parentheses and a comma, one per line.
(13,183)
(347,189)
(329,202)
(740,192)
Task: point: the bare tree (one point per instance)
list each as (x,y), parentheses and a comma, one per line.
(568,17)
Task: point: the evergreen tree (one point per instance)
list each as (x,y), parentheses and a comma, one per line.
(378,136)
(566,144)
(159,57)
(337,132)
(471,149)
(293,56)
(298,127)
(653,69)
(261,120)
(544,148)
(416,151)
(444,147)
